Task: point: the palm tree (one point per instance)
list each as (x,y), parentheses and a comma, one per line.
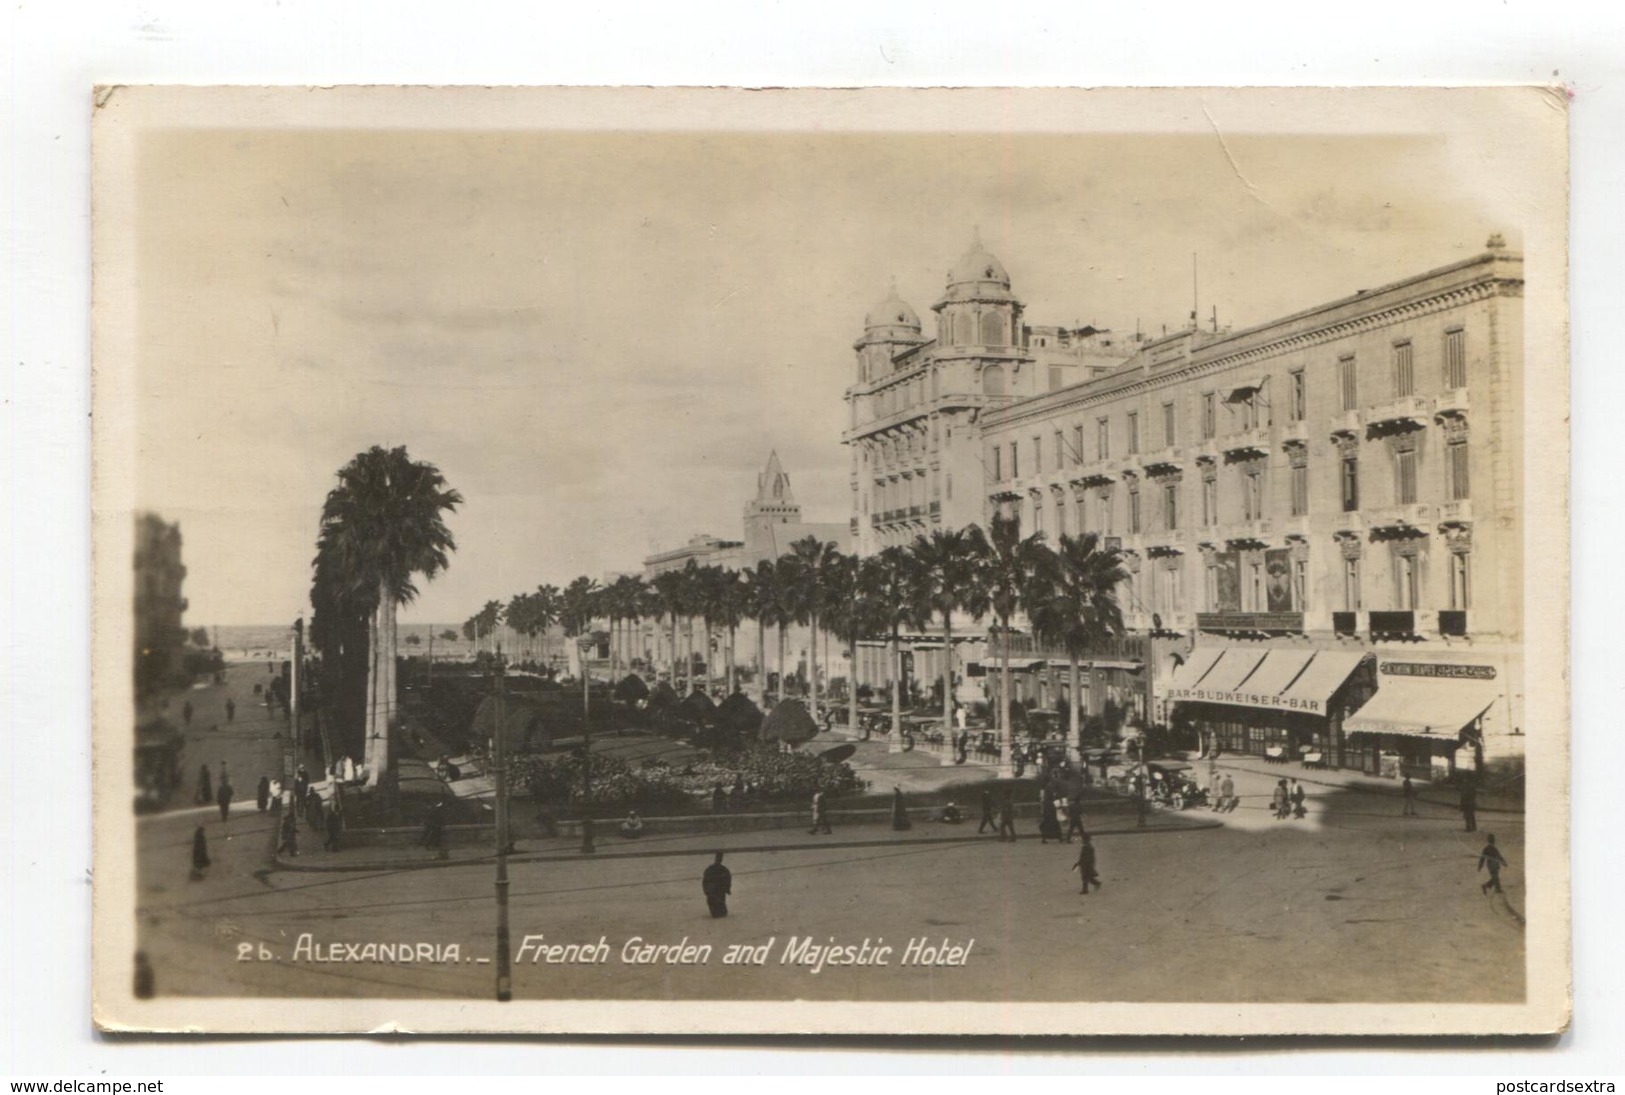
(814,558)
(949,570)
(852,610)
(384,524)
(1077,606)
(547,605)
(898,586)
(692,600)
(1011,566)
(667,590)
(760,601)
(786,583)
(727,596)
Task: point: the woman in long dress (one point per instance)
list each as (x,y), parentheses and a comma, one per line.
(899,813)
(200,854)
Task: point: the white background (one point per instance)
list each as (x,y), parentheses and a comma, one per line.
(55,53)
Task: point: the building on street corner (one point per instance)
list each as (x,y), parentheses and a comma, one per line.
(1321,514)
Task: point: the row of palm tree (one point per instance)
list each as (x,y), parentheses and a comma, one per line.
(1068,594)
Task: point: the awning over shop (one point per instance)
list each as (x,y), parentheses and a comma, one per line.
(1327,670)
(1274,679)
(1235,666)
(1103,664)
(1422,707)
(1195,668)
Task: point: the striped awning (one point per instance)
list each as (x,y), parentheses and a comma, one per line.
(1423,707)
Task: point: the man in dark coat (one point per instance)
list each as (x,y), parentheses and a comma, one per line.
(222,799)
(1492,860)
(335,829)
(988,821)
(899,813)
(313,809)
(1085,866)
(262,793)
(717,884)
(1469,806)
(1074,818)
(1410,797)
(205,786)
(200,854)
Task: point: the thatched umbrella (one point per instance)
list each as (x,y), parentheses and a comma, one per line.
(740,713)
(631,689)
(789,722)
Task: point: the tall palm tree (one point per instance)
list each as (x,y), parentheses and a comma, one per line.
(1011,566)
(949,568)
(786,599)
(667,590)
(851,596)
(727,597)
(814,559)
(384,524)
(899,588)
(760,602)
(693,602)
(547,604)
(1075,606)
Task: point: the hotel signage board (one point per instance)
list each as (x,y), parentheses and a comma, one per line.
(1449,670)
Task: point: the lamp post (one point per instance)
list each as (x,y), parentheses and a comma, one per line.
(500,771)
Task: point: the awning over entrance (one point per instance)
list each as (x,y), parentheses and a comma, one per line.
(1324,675)
(1280,679)
(1194,669)
(1234,667)
(1422,707)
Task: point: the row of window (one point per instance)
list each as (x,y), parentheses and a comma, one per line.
(1249,403)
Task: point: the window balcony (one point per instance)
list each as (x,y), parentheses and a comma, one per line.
(1391,625)
(1411,412)
(1248,535)
(1350,624)
(1163,544)
(1250,623)
(1459,512)
(1165,461)
(1400,522)
(1295,433)
(1451,404)
(1246,445)
(936,508)
(1453,622)
(1347,422)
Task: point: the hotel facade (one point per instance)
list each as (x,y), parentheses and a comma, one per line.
(1320,515)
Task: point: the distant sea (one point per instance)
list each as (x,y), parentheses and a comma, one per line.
(255,642)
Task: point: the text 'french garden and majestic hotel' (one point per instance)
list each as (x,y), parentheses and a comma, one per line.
(1321,514)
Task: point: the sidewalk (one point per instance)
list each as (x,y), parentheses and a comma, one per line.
(1445,796)
(612,846)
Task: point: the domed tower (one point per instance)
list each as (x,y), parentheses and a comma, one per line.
(977,307)
(889,328)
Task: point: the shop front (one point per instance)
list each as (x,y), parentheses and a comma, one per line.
(1284,703)
(1426,719)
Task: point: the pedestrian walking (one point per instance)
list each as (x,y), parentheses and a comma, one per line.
(1049,828)
(1227,795)
(434,829)
(231,709)
(262,793)
(313,810)
(1469,806)
(899,813)
(1492,860)
(717,884)
(1214,783)
(1142,801)
(820,818)
(335,829)
(301,787)
(289,844)
(987,814)
(186,713)
(205,787)
(1281,800)
(222,799)
(200,854)
(1074,818)
(1007,817)
(1085,866)
(1410,796)
(1297,797)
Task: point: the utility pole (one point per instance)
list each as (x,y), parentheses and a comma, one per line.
(500,751)
(295,679)
(586,749)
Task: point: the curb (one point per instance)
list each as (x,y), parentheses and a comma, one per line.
(278,863)
(1379,792)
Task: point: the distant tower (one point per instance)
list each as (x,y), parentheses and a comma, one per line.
(774,504)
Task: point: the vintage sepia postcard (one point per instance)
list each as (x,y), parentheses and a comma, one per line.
(882,561)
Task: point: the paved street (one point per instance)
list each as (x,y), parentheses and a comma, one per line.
(1354,903)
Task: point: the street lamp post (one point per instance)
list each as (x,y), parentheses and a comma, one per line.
(586,748)
(500,771)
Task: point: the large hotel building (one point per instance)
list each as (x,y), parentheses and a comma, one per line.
(1321,515)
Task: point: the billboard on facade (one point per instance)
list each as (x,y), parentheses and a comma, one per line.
(1278,579)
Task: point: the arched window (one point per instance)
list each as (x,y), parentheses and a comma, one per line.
(992,329)
(993,380)
(964,329)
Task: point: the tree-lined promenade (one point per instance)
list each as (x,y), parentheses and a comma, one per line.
(383,526)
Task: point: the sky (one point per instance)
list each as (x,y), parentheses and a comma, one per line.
(598,337)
